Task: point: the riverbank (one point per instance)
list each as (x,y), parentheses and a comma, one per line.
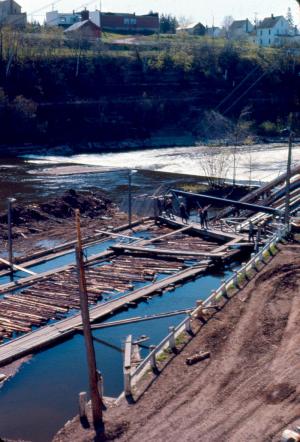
(127,145)
(248,389)
(50,223)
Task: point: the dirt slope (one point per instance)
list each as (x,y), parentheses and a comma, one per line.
(248,390)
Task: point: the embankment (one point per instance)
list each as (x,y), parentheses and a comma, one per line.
(247,390)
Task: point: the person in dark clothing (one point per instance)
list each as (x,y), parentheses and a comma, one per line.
(201,218)
(169,208)
(183,213)
(251,232)
(205,217)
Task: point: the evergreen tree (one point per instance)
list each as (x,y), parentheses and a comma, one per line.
(168,24)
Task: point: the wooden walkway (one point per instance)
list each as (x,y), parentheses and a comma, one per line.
(48,335)
(215,234)
(165,252)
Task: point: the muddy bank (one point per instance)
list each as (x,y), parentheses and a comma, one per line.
(247,390)
(12,369)
(49,223)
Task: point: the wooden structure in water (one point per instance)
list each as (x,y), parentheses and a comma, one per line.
(52,301)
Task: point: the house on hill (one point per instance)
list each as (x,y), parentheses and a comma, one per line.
(272,31)
(126,23)
(240,29)
(85,30)
(213,32)
(11,14)
(63,20)
(192,29)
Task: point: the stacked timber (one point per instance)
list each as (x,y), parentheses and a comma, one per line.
(183,241)
(55,297)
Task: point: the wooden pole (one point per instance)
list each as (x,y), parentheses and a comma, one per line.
(288,183)
(9,234)
(90,351)
(129,199)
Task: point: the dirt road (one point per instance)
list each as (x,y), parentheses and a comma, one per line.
(247,391)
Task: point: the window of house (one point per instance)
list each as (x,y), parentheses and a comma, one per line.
(269,31)
(261,41)
(269,41)
(129,21)
(63,19)
(261,32)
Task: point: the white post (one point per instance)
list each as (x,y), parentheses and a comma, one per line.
(82,404)
(188,324)
(172,338)
(100,384)
(127,365)
(153,357)
(127,382)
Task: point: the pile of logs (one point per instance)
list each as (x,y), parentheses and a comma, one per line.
(55,297)
(181,241)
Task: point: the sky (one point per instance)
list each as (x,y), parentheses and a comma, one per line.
(196,10)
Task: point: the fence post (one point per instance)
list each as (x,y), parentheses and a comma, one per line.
(199,309)
(172,343)
(82,404)
(188,324)
(127,365)
(100,384)
(235,279)
(153,358)
(127,382)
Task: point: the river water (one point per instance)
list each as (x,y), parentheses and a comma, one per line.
(34,177)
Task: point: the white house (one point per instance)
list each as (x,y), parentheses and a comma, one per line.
(55,18)
(272,31)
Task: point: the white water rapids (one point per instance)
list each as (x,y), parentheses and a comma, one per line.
(257,162)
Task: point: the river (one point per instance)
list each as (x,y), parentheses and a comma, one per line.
(34,177)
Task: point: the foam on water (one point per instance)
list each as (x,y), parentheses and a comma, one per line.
(265,161)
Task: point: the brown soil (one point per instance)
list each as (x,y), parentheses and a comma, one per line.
(249,388)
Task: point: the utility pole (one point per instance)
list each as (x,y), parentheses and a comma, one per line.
(288,181)
(129,199)
(9,233)
(97,403)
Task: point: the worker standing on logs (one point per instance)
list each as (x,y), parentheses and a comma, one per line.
(201,218)
(169,208)
(205,217)
(251,232)
(183,213)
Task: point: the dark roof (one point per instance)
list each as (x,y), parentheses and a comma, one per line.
(269,22)
(237,24)
(79,25)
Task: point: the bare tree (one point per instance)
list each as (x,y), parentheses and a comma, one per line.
(227,22)
(184,21)
(215,164)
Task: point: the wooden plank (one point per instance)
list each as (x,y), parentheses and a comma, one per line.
(115,235)
(210,232)
(128,352)
(119,247)
(17,267)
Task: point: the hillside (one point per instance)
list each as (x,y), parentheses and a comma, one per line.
(247,390)
(53,90)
